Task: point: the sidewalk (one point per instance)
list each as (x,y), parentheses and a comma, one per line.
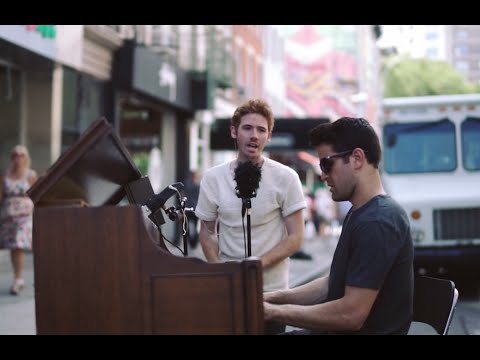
(4,256)
(321,250)
(17,314)
(301,271)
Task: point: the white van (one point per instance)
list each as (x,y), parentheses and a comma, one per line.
(431,166)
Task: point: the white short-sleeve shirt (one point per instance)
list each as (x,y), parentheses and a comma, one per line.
(279,194)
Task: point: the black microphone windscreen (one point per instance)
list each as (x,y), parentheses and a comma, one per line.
(247,176)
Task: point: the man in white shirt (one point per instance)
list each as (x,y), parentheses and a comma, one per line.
(277,226)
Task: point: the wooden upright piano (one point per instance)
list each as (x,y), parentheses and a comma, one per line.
(103,268)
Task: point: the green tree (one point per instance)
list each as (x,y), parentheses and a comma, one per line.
(141,161)
(422,77)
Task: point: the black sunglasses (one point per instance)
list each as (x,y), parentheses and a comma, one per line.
(326,163)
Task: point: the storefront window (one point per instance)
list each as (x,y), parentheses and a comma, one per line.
(10,112)
(83,103)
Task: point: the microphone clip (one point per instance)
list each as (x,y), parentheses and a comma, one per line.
(157,203)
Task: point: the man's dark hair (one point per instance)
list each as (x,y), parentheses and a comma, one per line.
(348,133)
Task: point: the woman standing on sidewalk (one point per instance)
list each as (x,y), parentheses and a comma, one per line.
(16,211)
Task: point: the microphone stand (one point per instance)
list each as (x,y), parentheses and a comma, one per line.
(185,230)
(247,205)
(172,214)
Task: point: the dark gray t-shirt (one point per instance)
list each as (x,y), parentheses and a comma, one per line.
(375,251)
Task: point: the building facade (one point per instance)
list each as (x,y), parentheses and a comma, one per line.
(457,44)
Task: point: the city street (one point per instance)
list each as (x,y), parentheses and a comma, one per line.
(91,113)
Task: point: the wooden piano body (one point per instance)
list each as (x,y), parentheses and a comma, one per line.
(101,268)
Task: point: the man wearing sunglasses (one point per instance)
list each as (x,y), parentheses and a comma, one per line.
(369,289)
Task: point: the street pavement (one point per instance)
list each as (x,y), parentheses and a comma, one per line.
(17,313)
(301,271)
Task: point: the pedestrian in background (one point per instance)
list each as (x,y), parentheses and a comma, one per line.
(369,289)
(301,254)
(325,211)
(16,212)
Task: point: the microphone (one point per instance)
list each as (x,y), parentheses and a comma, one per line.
(158,201)
(247,176)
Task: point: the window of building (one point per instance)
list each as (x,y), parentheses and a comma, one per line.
(432,53)
(461,50)
(461,34)
(83,102)
(431,36)
(10,104)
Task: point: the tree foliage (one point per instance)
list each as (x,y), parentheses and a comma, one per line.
(423,77)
